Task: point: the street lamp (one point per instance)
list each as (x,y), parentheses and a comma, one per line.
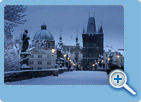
(93,65)
(118,56)
(68,58)
(53,51)
(65,55)
(108,59)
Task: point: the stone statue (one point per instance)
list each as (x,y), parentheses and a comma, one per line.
(24,56)
(25,42)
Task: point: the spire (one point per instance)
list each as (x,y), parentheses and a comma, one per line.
(98,29)
(101,28)
(76,36)
(91,27)
(77,44)
(43,26)
(83,30)
(60,38)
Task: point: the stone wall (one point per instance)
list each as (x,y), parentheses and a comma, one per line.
(28,74)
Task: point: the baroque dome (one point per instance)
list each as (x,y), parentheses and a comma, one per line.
(43,34)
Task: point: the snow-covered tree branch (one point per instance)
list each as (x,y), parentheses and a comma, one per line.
(14,15)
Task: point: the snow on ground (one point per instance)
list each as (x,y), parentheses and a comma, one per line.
(68,78)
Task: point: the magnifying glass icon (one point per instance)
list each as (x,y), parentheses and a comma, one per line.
(118,79)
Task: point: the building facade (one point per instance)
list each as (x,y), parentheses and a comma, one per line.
(73,52)
(92,43)
(41,55)
(113,57)
(41,59)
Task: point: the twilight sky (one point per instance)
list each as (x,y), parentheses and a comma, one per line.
(72,18)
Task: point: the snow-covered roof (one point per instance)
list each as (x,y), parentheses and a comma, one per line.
(39,51)
(25,66)
(111,49)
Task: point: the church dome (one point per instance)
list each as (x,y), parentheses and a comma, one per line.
(43,34)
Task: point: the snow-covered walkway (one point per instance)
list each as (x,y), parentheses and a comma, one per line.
(68,78)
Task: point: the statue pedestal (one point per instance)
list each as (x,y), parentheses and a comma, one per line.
(24,61)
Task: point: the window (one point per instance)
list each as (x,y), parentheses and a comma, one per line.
(31,56)
(64,49)
(106,55)
(39,68)
(48,56)
(48,45)
(31,62)
(39,56)
(67,49)
(39,62)
(48,63)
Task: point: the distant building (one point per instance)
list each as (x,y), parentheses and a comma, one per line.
(74,52)
(113,57)
(41,52)
(92,43)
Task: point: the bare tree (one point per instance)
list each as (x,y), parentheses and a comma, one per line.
(14,15)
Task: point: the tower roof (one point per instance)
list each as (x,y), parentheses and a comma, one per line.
(83,30)
(91,27)
(43,34)
(101,29)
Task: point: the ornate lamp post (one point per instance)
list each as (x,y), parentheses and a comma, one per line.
(65,55)
(65,60)
(93,65)
(118,56)
(52,51)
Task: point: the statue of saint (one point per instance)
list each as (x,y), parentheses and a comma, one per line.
(25,42)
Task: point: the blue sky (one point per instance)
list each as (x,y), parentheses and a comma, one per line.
(72,18)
